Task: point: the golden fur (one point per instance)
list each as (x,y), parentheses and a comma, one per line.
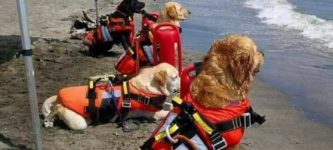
(227,72)
(173,12)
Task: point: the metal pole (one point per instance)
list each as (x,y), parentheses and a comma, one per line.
(97,15)
(27,52)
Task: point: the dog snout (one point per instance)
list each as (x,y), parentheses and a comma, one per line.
(189,12)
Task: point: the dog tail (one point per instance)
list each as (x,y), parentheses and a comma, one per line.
(48,103)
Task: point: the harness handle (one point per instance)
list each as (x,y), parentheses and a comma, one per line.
(178,138)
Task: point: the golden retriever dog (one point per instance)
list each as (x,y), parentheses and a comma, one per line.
(227,73)
(173,12)
(215,111)
(161,80)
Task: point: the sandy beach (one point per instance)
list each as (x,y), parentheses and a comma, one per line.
(60,62)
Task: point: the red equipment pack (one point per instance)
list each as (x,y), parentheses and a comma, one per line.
(166,44)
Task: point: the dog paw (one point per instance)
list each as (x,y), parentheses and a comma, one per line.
(48,124)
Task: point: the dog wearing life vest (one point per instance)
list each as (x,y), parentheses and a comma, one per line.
(114,28)
(146,94)
(216,107)
(227,74)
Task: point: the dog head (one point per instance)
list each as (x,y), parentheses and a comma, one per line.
(173,12)
(129,7)
(167,77)
(160,79)
(227,72)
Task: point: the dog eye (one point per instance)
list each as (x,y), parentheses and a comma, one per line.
(174,78)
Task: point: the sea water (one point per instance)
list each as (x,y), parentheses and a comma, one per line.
(296,37)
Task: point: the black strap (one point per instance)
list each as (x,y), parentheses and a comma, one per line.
(152,101)
(24,52)
(118,79)
(149,16)
(197,67)
(91,108)
(244,121)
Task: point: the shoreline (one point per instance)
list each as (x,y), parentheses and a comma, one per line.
(285,127)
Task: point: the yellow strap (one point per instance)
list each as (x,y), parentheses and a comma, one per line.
(125,88)
(131,51)
(162,135)
(91,84)
(199,120)
(178,100)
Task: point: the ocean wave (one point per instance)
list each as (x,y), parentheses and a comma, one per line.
(283,13)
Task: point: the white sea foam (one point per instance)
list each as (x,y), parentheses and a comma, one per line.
(284,14)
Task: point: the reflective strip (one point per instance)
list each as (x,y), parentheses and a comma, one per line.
(116,93)
(103,34)
(177,99)
(108,35)
(148,51)
(162,135)
(125,88)
(131,50)
(199,120)
(91,84)
(197,141)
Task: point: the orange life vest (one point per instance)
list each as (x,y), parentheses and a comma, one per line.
(75,98)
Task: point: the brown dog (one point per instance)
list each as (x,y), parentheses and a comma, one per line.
(173,12)
(227,73)
(216,110)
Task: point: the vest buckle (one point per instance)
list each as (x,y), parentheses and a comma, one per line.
(247,120)
(126,103)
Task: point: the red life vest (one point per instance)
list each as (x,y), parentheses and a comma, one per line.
(212,115)
(75,98)
(102,36)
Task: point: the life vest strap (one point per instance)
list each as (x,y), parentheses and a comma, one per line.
(213,130)
(91,108)
(243,121)
(152,101)
(218,142)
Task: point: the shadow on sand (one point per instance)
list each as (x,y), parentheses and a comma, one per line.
(9,45)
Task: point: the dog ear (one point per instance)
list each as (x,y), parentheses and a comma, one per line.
(161,77)
(241,68)
(172,11)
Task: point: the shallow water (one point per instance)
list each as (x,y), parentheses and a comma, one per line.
(296,64)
